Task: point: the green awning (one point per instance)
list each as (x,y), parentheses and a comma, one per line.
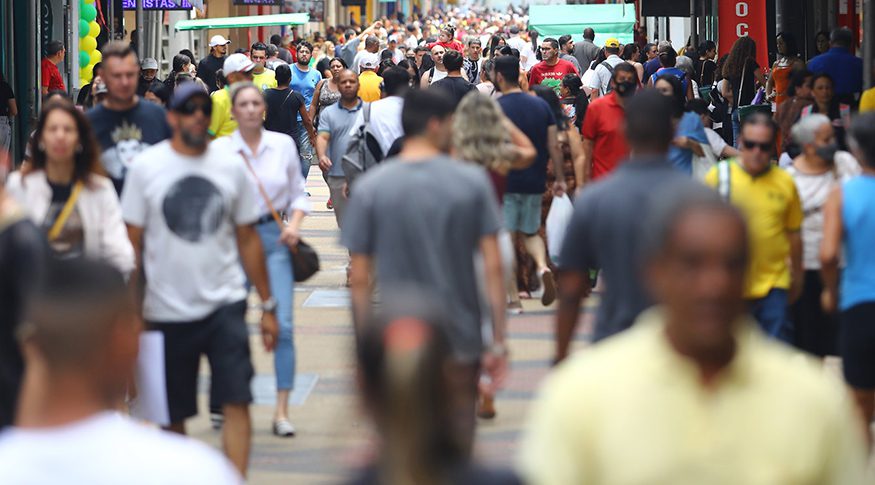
(613,20)
(242,22)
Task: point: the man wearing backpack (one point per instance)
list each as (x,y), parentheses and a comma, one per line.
(601,81)
(335,124)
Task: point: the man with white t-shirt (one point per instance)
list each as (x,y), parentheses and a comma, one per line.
(604,72)
(385,114)
(528,59)
(191,212)
(80,347)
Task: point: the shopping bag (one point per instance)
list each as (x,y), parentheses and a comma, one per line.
(557,221)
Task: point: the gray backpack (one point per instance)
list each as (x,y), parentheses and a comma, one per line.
(363,151)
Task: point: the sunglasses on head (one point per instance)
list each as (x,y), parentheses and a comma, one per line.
(750,145)
(191,106)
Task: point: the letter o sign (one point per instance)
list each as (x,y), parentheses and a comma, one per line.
(742,9)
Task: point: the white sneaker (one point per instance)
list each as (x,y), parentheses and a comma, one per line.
(283,428)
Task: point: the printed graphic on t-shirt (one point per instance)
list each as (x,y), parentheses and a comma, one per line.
(128,143)
(193,208)
(70,242)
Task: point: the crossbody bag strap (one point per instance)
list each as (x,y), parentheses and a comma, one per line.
(55,231)
(741,84)
(273,212)
(724,184)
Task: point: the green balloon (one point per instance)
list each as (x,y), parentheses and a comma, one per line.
(84,59)
(88,13)
(84,27)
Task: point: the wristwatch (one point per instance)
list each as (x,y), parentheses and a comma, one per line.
(268,306)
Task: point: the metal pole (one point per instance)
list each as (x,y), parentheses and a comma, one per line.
(694,27)
(110,26)
(868,41)
(140,36)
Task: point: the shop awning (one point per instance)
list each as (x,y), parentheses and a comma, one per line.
(243,22)
(614,20)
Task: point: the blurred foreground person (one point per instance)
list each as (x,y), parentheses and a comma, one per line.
(418,223)
(405,366)
(694,393)
(849,229)
(80,347)
(603,232)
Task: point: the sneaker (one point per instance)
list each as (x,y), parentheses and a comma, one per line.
(549,286)
(283,428)
(217,420)
(329,204)
(515,308)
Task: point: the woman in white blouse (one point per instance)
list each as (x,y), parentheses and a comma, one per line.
(65,195)
(275,172)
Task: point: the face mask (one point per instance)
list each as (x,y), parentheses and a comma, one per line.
(626,89)
(827,152)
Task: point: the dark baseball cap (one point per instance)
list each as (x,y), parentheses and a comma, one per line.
(185,92)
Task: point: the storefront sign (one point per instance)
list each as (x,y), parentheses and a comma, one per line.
(744,18)
(258,2)
(158,4)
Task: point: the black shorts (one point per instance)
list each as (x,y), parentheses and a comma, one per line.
(224,338)
(857,345)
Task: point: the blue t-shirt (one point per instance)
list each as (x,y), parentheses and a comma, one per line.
(858,225)
(532,115)
(691,127)
(305,82)
(845,69)
(670,71)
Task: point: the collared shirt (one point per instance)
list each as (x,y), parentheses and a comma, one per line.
(845,69)
(265,80)
(51,76)
(337,121)
(771,205)
(385,121)
(278,167)
(222,122)
(369,86)
(604,125)
(632,411)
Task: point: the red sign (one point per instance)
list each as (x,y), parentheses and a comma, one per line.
(744,18)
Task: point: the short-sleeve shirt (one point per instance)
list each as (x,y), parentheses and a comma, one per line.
(550,76)
(423,222)
(189,209)
(533,116)
(601,79)
(369,86)
(51,76)
(337,121)
(206,70)
(283,107)
(6,95)
(222,122)
(305,82)
(124,134)
(770,203)
(604,125)
(265,80)
(456,87)
(691,127)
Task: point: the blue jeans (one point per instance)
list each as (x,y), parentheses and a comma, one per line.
(771,313)
(736,127)
(308,153)
(279,274)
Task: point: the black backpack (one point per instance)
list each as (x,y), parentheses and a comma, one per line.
(363,151)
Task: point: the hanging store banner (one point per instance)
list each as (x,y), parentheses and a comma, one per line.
(744,18)
(158,4)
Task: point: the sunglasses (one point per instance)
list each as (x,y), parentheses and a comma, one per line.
(750,145)
(192,106)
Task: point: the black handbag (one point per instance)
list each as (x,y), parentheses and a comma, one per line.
(305,260)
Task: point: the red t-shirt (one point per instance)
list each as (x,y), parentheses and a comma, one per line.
(604,125)
(454,45)
(550,76)
(52,76)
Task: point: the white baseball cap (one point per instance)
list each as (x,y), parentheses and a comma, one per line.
(237,63)
(218,40)
(149,63)
(369,61)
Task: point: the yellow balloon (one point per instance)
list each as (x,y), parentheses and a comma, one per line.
(93,28)
(89,1)
(88,43)
(96,57)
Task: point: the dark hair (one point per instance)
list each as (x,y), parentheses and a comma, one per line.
(581,102)
(760,119)
(488,66)
(789,42)
(588,34)
(548,94)
(678,99)
(221,80)
(283,74)
(179,61)
(160,91)
(822,75)
(668,57)
(119,49)
(625,67)
(474,40)
(648,121)
(629,51)
(384,65)
(340,60)
(797,80)
(862,133)
(188,54)
(407,65)
(509,51)
(564,40)
(244,86)
(420,106)
(276,40)
(553,42)
(86,161)
(386,54)
(599,58)
(743,50)
(241,50)
(395,81)
(509,68)
(53,47)
(705,46)
(841,37)
(272,50)
(306,44)
(698,106)
(453,60)
(258,46)
(97,66)
(493,44)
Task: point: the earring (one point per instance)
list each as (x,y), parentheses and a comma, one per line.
(41,147)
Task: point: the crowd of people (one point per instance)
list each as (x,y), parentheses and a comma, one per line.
(724,240)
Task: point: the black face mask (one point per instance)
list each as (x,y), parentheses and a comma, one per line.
(827,152)
(626,89)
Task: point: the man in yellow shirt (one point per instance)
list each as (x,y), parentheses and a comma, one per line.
(369,81)
(768,199)
(263,77)
(693,393)
(236,68)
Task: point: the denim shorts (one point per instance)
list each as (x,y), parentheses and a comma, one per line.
(522,213)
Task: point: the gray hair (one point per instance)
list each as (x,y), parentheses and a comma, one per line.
(685,64)
(479,133)
(804,131)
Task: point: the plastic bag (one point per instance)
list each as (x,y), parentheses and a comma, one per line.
(557,221)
